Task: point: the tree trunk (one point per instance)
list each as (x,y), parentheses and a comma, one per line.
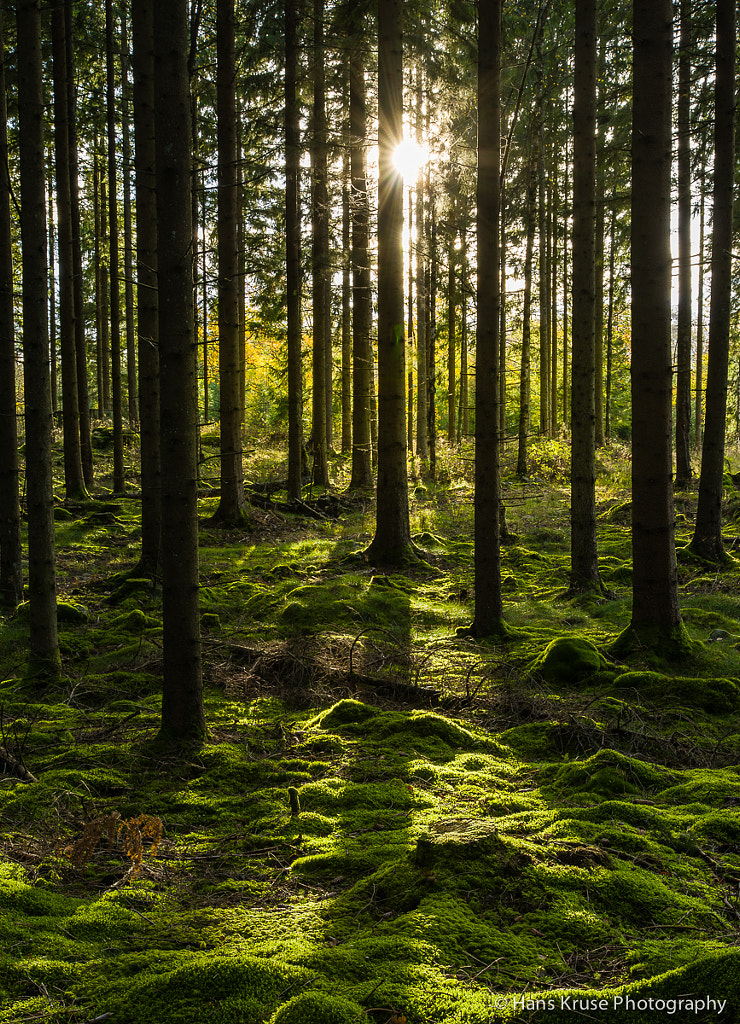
(11,566)
(699,405)
(146,272)
(610,324)
(656,618)
(392,541)
(422,449)
(433,269)
(707,539)
(44,659)
(544,286)
(232,510)
(182,697)
(346,294)
(52,295)
(362,354)
(74,483)
(119,482)
(584,571)
(683,330)
(451,340)
(86,452)
(293,251)
(488,618)
(128,272)
(319,250)
(525,375)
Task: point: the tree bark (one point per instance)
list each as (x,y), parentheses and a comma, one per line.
(488,618)
(74,483)
(683,330)
(146,272)
(44,659)
(525,374)
(584,572)
(293,251)
(232,510)
(707,539)
(182,697)
(128,234)
(119,482)
(11,566)
(362,355)
(392,541)
(656,618)
(319,250)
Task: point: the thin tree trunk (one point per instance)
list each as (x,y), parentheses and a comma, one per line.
(128,258)
(232,508)
(432,339)
(544,290)
(488,618)
(346,297)
(119,482)
(86,451)
(52,302)
(293,251)
(182,696)
(11,566)
(73,479)
(146,272)
(610,325)
(422,448)
(451,339)
(392,541)
(584,572)
(656,618)
(525,375)
(44,659)
(699,413)
(683,329)
(707,539)
(362,354)
(319,250)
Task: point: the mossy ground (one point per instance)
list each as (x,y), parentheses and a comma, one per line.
(529,834)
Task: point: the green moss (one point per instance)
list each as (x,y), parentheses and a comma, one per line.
(318,1008)
(717,696)
(610,774)
(568,660)
(346,712)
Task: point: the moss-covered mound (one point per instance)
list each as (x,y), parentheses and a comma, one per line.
(716,696)
(568,660)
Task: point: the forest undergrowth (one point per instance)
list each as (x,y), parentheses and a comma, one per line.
(387,823)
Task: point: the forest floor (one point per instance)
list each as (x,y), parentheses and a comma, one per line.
(387,823)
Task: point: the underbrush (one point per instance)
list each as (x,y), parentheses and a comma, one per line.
(386,823)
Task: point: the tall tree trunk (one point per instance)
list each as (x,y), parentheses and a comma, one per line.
(44,659)
(232,508)
(362,354)
(610,324)
(119,482)
(422,449)
(584,572)
(392,541)
(433,269)
(52,297)
(699,404)
(451,340)
(293,251)
(182,697)
(464,417)
(707,539)
(410,328)
(11,566)
(544,289)
(319,249)
(142,27)
(683,330)
(488,618)
(73,479)
(86,452)
(525,375)
(566,293)
(656,618)
(128,259)
(346,294)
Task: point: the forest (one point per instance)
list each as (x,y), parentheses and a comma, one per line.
(369,512)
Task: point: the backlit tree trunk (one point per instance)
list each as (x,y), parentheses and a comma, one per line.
(392,541)
(232,508)
(584,572)
(182,697)
(362,356)
(11,570)
(683,330)
(656,618)
(146,273)
(319,250)
(44,660)
(707,539)
(119,482)
(293,251)
(488,618)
